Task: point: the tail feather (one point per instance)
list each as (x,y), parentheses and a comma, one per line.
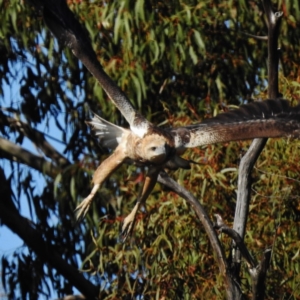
(110,135)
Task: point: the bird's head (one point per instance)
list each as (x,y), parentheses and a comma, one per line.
(155,148)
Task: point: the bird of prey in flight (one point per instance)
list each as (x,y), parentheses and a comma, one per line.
(146,144)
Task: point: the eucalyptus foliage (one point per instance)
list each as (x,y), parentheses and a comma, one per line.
(178,62)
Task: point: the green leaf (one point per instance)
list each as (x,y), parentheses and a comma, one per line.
(56,184)
(199,41)
(193,54)
(139,11)
(138,90)
(73,188)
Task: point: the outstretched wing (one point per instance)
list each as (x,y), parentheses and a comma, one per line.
(70,33)
(270,118)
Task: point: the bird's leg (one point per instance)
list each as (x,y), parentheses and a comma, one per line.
(106,168)
(149,184)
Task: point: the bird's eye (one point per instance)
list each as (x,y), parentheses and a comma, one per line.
(153,148)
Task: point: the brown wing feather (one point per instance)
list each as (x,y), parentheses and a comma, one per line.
(63,24)
(270,118)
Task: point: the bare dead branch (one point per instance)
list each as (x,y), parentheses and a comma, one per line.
(244,185)
(249,159)
(17,153)
(244,197)
(221,226)
(232,289)
(273,24)
(259,276)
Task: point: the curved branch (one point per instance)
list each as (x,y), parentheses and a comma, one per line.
(222,227)
(233,290)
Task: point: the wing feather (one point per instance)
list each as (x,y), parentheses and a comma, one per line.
(66,28)
(270,118)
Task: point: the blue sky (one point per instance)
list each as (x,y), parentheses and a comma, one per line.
(10,242)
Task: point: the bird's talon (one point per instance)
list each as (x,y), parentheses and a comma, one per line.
(129,222)
(80,211)
(127,229)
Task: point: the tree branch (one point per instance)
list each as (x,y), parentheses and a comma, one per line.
(232,289)
(221,226)
(244,185)
(249,159)
(258,272)
(273,23)
(36,137)
(259,276)
(17,153)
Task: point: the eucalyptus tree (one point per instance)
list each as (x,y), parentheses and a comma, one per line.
(176,61)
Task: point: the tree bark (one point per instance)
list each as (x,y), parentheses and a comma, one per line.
(249,159)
